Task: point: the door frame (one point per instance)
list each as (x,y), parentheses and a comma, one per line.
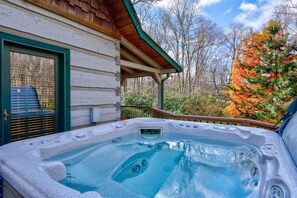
(63,83)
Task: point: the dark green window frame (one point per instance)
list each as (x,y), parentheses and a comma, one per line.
(64,79)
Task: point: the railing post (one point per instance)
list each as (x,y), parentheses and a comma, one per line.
(248,123)
(245,122)
(154,113)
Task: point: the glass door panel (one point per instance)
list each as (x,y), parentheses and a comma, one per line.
(32,95)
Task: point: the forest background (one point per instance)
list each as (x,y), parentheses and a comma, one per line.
(232,72)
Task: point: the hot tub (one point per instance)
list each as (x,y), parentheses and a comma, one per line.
(153,158)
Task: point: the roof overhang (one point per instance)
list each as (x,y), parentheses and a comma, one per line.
(146,38)
(140,54)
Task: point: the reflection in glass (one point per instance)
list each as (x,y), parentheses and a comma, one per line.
(32,95)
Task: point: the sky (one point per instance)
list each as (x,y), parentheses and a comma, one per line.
(252,13)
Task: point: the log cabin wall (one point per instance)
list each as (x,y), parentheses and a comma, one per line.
(93,53)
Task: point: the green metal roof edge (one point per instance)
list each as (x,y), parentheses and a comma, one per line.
(129,7)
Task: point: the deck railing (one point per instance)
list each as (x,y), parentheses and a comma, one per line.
(148,111)
(136,111)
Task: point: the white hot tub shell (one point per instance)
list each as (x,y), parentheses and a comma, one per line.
(23,168)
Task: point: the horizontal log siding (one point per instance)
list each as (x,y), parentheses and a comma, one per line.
(82,117)
(93,67)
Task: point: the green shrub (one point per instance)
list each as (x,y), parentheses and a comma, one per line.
(134,113)
(138,99)
(200,104)
(174,103)
(204,104)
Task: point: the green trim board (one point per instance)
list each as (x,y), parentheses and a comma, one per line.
(162,90)
(63,55)
(146,38)
(5,100)
(1,94)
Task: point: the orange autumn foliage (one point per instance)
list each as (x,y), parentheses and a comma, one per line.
(244,100)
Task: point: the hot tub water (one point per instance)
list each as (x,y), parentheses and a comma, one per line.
(175,167)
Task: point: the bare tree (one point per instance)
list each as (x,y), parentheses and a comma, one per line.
(135,2)
(196,43)
(286,13)
(193,40)
(233,37)
(179,24)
